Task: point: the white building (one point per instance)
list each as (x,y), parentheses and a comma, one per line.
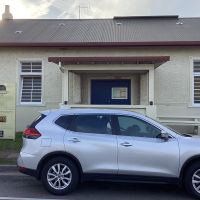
(146,64)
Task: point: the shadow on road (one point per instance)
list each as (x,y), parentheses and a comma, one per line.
(28,187)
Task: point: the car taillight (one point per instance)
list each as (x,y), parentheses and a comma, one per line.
(31,133)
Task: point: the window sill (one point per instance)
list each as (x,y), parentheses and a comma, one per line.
(194,106)
(31,105)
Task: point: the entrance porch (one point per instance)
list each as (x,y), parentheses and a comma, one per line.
(118,83)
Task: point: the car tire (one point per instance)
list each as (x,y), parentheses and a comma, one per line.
(192,180)
(60,176)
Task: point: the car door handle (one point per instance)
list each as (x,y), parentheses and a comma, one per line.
(126,144)
(74,140)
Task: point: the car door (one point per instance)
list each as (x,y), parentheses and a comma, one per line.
(141,152)
(91,141)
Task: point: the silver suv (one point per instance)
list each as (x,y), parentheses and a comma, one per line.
(65,147)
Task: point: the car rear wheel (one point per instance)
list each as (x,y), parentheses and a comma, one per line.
(192,180)
(60,176)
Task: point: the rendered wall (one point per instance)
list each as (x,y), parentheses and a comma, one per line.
(7,111)
(172,79)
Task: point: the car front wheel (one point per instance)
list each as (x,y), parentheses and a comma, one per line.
(60,176)
(192,180)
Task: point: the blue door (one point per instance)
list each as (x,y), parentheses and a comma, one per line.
(111,92)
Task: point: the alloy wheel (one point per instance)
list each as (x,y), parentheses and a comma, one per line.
(59,176)
(196,180)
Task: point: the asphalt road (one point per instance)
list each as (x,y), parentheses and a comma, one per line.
(14,186)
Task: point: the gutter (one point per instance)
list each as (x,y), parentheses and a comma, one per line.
(101,44)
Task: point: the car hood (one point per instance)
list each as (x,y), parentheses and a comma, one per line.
(196,138)
(191,140)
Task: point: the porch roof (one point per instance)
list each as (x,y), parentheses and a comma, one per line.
(156,60)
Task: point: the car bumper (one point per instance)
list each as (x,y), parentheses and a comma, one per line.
(23,166)
(29,172)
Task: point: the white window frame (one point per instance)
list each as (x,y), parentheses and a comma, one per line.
(21,74)
(193,74)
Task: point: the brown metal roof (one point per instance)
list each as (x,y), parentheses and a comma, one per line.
(120,31)
(158,60)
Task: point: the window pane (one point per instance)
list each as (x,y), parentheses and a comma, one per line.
(100,124)
(130,126)
(196,66)
(31,89)
(196,89)
(29,67)
(64,121)
(37,120)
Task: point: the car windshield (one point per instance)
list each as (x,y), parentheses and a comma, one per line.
(182,134)
(170,128)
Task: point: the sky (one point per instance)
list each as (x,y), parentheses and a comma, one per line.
(69,9)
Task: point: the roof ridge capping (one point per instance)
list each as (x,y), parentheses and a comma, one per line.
(148,17)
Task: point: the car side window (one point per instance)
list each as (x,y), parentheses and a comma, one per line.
(99,124)
(131,126)
(64,121)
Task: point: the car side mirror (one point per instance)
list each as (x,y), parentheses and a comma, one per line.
(164,135)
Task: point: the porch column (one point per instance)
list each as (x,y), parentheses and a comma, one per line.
(74,93)
(65,87)
(151,85)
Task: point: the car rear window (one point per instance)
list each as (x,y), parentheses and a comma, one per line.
(37,120)
(64,121)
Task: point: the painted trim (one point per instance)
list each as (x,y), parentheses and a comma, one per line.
(100,44)
(191,83)
(65,86)
(151,84)
(110,60)
(19,84)
(104,67)
(192,74)
(132,89)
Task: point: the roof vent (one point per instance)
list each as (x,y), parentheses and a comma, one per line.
(118,23)
(18,32)
(7,15)
(179,23)
(62,24)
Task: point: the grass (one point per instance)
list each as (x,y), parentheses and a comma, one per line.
(9,149)
(7,161)
(12,145)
